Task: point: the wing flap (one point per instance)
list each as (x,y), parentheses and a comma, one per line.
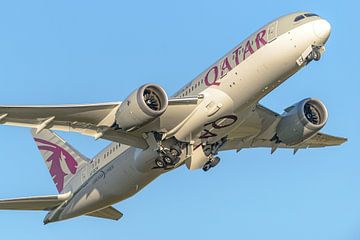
(107,213)
(318,141)
(323,140)
(34,203)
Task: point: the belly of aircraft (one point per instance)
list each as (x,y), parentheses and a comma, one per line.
(116,182)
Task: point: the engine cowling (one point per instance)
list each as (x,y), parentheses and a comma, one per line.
(141,106)
(302,121)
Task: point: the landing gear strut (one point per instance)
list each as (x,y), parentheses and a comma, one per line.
(211,150)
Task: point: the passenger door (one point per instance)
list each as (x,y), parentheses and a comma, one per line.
(272,31)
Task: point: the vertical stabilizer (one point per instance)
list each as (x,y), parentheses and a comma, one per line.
(62,160)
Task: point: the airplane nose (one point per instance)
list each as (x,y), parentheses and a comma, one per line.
(322,29)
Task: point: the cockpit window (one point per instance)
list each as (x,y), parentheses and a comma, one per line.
(298,18)
(310,15)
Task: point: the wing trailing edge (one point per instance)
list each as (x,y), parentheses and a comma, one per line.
(44,203)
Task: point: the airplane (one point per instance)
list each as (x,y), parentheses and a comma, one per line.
(153,134)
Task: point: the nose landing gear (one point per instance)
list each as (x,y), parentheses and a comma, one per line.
(314,55)
(311,53)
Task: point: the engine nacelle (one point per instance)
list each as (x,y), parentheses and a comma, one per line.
(302,121)
(141,106)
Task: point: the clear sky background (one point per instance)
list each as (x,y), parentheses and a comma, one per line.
(55,52)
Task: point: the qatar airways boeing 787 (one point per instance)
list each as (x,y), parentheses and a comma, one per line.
(153,134)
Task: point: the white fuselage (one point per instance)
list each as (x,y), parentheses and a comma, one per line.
(235,83)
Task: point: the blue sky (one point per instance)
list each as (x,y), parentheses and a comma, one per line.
(54,52)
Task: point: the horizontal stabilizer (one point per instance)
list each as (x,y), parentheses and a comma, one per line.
(34,203)
(108,213)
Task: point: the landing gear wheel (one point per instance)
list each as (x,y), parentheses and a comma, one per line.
(159,163)
(214,162)
(175,151)
(168,160)
(176,160)
(316,55)
(206,167)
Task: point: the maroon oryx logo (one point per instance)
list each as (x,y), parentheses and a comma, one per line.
(57,159)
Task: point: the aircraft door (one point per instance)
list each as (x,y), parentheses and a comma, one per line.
(272,31)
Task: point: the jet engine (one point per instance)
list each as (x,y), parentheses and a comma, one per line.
(302,121)
(141,106)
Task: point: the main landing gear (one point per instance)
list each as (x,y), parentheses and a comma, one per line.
(169,157)
(211,151)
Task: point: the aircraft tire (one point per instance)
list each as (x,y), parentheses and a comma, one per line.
(215,161)
(175,151)
(207,167)
(315,55)
(169,159)
(159,163)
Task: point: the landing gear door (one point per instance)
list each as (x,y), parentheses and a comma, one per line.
(272,31)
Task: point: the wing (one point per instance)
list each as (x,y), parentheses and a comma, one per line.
(107,213)
(33,203)
(95,120)
(260,128)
